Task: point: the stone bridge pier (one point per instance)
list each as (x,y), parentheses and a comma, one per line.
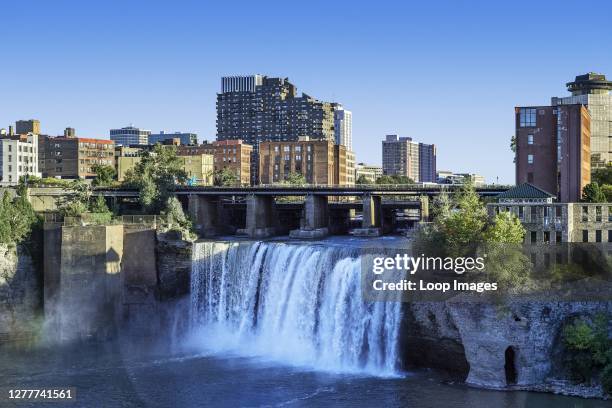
(204,211)
(315,219)
(372,222)
(260,216)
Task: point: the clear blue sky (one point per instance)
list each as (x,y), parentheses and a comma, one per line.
(447,73)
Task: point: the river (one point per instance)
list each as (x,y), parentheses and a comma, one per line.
(270,325)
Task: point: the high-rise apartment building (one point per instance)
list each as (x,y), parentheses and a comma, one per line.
(427,163)
(187,139)
(403,157)
(228,154)
(343,126)
(130,136)
(593,91)
(23,127)
(553,149)
(18,157)
(257,108)
(319,161)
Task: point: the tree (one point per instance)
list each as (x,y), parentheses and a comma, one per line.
(513,147)
(362,179)
(506,228)
(395,179)
(155,176)
(295,179)
(592,193)
(602,176)
(225,177)
(17,219)
(104,175)
(607,190)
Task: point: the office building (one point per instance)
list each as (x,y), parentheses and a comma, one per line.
(369,172)
(549,222)
(258,108)
(74,157)
(23,127)
(228,154)
(553,149)
(321,162)
(593,91)
(343,126)
(18,157)
(187,139)
(403,157)
(130,136)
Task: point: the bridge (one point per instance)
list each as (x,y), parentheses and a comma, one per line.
(307,211)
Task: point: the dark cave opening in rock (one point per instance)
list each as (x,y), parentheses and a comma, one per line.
(510,366)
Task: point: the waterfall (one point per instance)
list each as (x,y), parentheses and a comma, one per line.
(298,304)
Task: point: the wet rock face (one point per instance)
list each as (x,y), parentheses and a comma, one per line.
(173,266)
(429,338)
(19,292)
(513,345)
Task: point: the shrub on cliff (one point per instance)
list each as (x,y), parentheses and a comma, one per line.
(17,219)
(176,220)
(589,350)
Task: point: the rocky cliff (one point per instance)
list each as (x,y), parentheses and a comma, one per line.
(20,293)
(511,345)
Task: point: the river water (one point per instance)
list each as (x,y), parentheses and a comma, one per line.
(270,325)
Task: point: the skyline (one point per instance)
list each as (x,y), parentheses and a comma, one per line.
(450,77)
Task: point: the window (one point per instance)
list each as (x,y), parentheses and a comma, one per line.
(530,158)
(598,213)
(609,214)
(534,212)
(534,237)
(286,148)
(558,237)
(527,117)
(530,139)
(609,235)
(585,213)
(585,236)
(520,212)
(530,177)
(598,236)
(558,212)
(547,237)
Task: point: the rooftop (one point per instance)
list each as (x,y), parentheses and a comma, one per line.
(525,190)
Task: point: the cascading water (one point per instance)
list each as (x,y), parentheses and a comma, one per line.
(299,304)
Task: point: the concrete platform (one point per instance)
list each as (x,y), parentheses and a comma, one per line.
(316,233)
(366,232)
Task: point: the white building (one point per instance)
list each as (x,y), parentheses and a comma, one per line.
(343,127)
(18,157)
(370,172)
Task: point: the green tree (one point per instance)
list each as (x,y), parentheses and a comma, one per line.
(176,220)
(506,228)
(17,219)
(155,176)
(295,179)
(607,190)
(362,180)
(592,193)
(104,175)
(602,176)
(225,177)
